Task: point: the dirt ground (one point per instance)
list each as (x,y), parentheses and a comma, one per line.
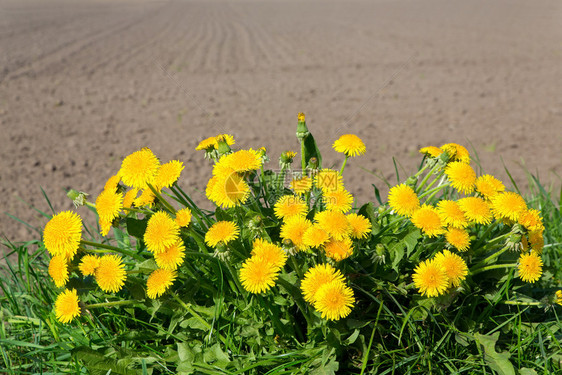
(85,83)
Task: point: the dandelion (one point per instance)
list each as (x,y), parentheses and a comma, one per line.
(130,197)
(454,266)
(66,306)
(159,281)
(88,264)
(161,231)
(428,220)
(168,174)
(536,241)
(317,276)
(243,160)
(221,232)
(508,205)
(339,249)
(110,274)
(63,233)
(431,151)
(530,267)
(293,229)
(328,180)
(105,226)
(206,144)
(558,297)
(451,214)
(334,300)
(183,217)
(58,270)
(226,138)
(338,200)
(108,205)
(290,205)
(227,188)
(531,220)
(462,176)
(172,257)
(258,275)
(335,223)
(350,145)
(476,210)
(112,183)
(145,199)
(430,278)
(457,152)
(403,200)
(360,226)
(301,185)
(488,186)
(139,168)
(458,238)
(269,252)
(315,236)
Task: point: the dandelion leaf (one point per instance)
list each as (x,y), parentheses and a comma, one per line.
(498,362)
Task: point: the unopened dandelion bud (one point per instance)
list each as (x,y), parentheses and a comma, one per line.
(222,252)
(223,148)
(312,163)
(380,254)
(411,181)
(302,129)
(286,159)
(78,197)
(380,249)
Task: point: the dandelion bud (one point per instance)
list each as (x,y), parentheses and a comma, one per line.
(302,129)
(411,181)
(223,148)
(78,197)
(286,159)
(222,252)
(312,163)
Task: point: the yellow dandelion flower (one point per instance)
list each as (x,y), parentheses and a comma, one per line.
(338,200)
(301,185)
(112,183)
(334,300)
(457,152)
(558,296)
(531,220)
(462,176)
(159,281)
(63,233)
(488,186)
(300,117)
(228,189)
(455,267)
(108,204)
(110,273)
(161,231)
(206,144)
(67,306)
(258,275)
(290,205)
(243,160)
(183,217)
(130,197)
(229,139)
(317,276)
(508,205)
(58,270)
(536,241)
(145,199)
(475,209)
(315,236)
(339,249)
(350,145)
(172,257)
(168,174)
(428,220)
(360,226)
(431,151)
(458,238)
(328,180)
(430,279)
(139,168)
(105,226)
(221,232)
(88,264)
(451,214)
(335,223)
(269,252)
(403,200)
(530,267)
(293,229)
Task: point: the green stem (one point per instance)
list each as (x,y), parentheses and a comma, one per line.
(198,317)
(491,257)
(280,179)
(296,267)
(111,304)
(521,303)
(426,178)
(343,165)
(434,190)
(492,267)
(162,200)
(113,248)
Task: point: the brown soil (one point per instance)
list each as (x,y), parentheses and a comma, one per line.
(84,83)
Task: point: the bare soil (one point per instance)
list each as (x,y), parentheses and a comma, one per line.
(85,83)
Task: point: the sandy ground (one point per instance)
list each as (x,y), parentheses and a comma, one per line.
(84,83)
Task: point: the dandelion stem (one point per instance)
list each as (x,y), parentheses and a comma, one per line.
(491,257)
(113,248)
(492,267)
(343,165)
(434,190)
(161,199)
(521,303)
(111,304)
(426,178)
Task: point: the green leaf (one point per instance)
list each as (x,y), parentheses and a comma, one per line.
(136,227)
(396,251)
(411,240)
(527,371)
(98,363)
(498,362)
(311,150)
